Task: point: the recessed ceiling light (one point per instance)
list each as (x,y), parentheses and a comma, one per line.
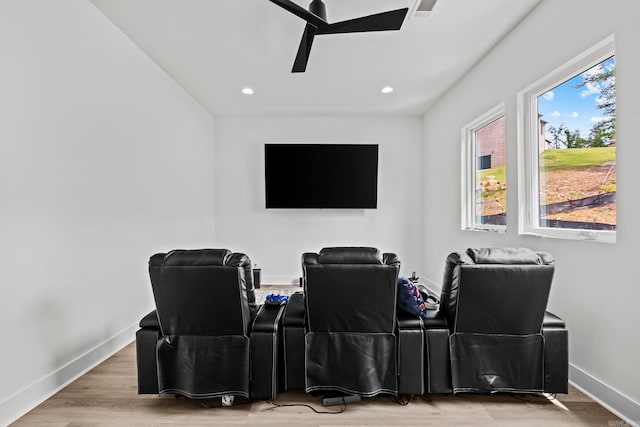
(386,89)
(247,91)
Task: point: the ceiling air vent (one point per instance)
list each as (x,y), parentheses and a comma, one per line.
(423,8)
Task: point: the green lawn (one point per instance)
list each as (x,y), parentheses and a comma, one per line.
(577,157)
(554,161)
(498,173)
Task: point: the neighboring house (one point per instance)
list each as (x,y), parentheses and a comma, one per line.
(490,143)
(544,143)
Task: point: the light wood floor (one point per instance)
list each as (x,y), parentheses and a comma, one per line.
(107,396)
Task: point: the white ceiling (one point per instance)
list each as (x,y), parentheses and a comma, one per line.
(214,48)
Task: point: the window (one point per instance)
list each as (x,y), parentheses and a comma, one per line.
(567,150)
(484,187)
(484,162)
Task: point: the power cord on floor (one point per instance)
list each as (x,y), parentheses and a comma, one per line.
(427,397)
(405,399)
(402,399)
(284,405)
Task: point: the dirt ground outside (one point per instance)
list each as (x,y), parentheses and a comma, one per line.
(561,185)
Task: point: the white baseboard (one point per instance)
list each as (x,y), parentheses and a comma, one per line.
(607,396)
(22,401)
(431,285)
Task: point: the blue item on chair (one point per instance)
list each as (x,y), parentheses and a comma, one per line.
(409,298)
(275,300)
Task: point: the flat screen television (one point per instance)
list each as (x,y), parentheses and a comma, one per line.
(324,176)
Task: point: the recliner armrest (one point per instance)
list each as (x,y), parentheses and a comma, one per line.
(407,321)
(294,314)
(265,352)
(267,319)
(150,321)
(550,320)
(434,320)
(294,346)
(389,258)
(310,258)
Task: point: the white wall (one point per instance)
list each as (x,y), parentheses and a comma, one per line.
(276,238)
(597,286)
(104,160)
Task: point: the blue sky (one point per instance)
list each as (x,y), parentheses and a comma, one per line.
(576,108)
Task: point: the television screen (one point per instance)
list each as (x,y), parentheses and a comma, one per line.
(321,176)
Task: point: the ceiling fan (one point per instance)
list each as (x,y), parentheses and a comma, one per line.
(317,24)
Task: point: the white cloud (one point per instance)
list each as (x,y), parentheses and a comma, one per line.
(548,96)
(596,119)
(556,114)
(610,66)
(573,114)
(597,69)
(590,89)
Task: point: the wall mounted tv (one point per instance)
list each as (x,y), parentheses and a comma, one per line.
(324,176)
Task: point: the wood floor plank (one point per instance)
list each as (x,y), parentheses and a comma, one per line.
(107,396)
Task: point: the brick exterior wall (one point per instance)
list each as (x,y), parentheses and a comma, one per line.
(490,140)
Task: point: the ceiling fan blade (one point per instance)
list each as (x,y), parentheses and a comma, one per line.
(301,12)
(300,63)
(385,21)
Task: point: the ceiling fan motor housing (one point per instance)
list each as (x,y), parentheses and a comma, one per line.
(317,7)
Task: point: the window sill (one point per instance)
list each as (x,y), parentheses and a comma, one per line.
(487,228)
(582,235)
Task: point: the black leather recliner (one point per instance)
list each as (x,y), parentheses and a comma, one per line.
(501,337)
(491,332)
(350,303)
(207,337)
(361,306)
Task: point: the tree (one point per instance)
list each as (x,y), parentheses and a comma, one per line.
(604,77)
(557,135)
(600,135)
(574,140)
(570,139)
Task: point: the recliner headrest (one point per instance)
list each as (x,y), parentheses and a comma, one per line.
(196,257)
(350,255)
(500,255)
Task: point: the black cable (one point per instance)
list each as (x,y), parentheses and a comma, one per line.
(283,405)
(427,397)
(522,397)
(402,399)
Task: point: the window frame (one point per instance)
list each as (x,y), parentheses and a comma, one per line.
(470,168)
(528,154)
